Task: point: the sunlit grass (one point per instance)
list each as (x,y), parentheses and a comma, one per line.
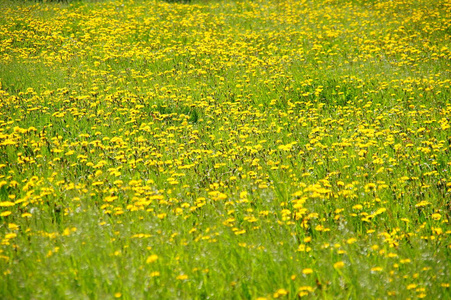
(230,149)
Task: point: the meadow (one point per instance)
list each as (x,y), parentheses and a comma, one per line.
(225,149)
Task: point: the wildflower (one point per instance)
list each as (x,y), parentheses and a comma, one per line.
(10,236)
(436,216)
(280,292)
(182,277)
(351,240)
(307,271)
(422,204)
(152,258)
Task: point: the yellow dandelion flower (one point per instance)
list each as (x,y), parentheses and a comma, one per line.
(10,236)
(307,271)
(182,277)
(152,258)
(422,204)
(351,241)
(339,265)
(436,216)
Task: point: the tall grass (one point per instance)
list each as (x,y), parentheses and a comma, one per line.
(231,149)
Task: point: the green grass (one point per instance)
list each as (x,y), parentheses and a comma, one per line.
(225,150)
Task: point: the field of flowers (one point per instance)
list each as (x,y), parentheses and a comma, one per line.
(225,149)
